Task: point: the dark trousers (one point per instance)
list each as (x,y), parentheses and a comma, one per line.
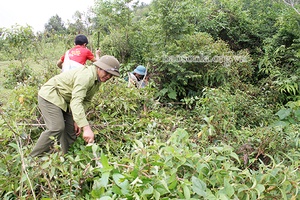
(59,127)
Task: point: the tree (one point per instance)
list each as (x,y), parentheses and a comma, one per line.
(55,24)
(114,22)
(172,17)
(111,15)
(82,23)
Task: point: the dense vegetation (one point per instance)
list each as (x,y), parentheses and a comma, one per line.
(219,120)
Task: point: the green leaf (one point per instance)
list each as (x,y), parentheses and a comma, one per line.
(297,114)
(229,190)
(94,148)
(45,165)
(106,198)
(117,178)
(217,149)
(104,162)
(186,191)
(172,94)
(164,91)
(104,180)
(52,172)
(120,180)
(172,182)
(179,136)
(254,182)
(221,158)
(13,145)
(77,158)
(281,124)
(116,190)
(148,191)
(70,158)
(223,196)
(24,178)
(162,189)
(235,156)
(199,186)
(260,189)
(243,188)
(140,144)
(283,113)
(156,195)
(97,189)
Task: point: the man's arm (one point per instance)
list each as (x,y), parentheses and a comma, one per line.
(59,63)
(84,88)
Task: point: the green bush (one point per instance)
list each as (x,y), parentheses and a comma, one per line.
(233,109)
(18,75)
(176,168)
(188,65)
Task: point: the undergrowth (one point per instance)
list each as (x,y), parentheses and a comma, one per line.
(148,150)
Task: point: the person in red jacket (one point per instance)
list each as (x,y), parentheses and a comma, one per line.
(78,55)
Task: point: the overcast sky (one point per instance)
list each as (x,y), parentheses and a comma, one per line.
(37,13)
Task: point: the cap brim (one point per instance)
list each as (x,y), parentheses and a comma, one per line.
(107,68)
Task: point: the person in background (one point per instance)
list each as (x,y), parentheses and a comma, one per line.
(138,77)
(78,55)
(69,91)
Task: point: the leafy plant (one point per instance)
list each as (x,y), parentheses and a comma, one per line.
(18,75)
(19,43)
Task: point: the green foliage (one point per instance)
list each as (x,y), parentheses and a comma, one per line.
(221,112)
(112,15)
(116,44)
(138,154)
(50,49)
(55,25)
(22,106)
(177,168)
(18,75)
(164,33)
(18,43)
(81,25)
(289,114)
(121,35)
(280,64)
(280,77)
(171,18)
(196,62)
(123,111)
(248,109)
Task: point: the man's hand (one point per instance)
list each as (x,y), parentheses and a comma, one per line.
(132,82)
(77,129)
(88,134)
(98,53)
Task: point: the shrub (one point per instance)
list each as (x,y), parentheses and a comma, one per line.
(20,76)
